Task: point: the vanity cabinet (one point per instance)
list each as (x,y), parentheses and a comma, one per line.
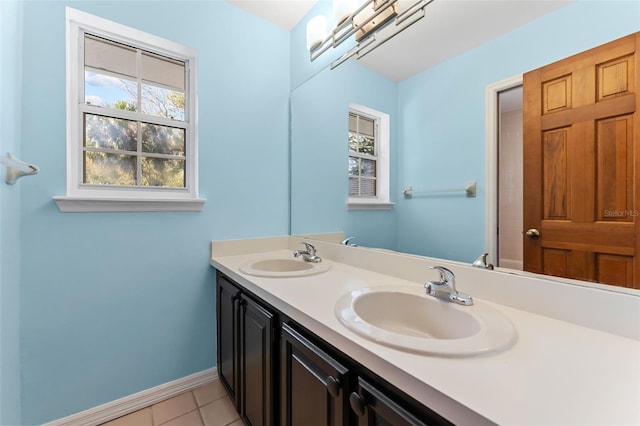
(314,386)
(278,373)
(246,352)
(373,407)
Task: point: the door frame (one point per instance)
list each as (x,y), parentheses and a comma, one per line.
(492,132)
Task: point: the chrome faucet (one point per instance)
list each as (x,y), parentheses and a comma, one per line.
(347,242)
(308,255)
(481,262)
(446,287)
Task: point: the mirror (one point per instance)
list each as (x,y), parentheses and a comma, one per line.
(438,128)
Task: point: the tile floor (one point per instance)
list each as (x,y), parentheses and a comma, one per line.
(208,405)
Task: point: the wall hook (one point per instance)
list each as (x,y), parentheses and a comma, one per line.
(16,168)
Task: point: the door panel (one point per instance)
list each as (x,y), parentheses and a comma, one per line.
(615,168)
(257,364)
(228,344)
(314,384)
(555,174)
(581,164)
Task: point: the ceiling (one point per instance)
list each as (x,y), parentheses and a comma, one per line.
(450,28)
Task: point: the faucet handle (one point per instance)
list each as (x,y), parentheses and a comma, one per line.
(446,275)
(347,242)
(310,248)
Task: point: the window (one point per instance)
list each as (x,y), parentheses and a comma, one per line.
(368,159)
(131,120)
(363,156)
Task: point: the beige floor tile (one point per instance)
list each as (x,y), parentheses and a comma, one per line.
(237,423)
(190,419)
(172,408)
(137,418)
(219,412)
(209,393)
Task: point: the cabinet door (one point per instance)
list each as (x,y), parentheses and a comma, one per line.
(257,364)
(227,318)
(313,386)
(374,407)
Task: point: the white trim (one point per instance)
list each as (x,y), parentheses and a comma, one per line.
(123,406)
(368,205)
(106,205)
(491,160)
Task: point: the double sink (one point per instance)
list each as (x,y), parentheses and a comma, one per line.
(404,317)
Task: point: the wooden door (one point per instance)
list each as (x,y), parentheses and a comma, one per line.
(374,406)
(256,364)
(227,318)
(581,165)
(314,386)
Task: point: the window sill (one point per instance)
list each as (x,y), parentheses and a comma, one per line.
(369,205)
(112,205)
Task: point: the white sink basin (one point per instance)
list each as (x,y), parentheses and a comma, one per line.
(406,318)
(283,267)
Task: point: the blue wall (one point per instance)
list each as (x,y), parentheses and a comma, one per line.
(113,304)
(442,113)
(10,101)
(105,305)
(319,154)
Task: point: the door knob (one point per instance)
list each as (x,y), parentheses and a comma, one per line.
(358,404)
(333,386)
(532,233)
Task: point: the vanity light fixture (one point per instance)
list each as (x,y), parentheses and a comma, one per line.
(366,23)
(316,31)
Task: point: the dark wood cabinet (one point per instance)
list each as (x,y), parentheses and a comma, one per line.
(228,328)
(278,373)
(246,336)
(314,386)
(257,363)
(373,406)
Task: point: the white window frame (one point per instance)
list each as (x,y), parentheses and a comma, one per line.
(382,128)
(94,198)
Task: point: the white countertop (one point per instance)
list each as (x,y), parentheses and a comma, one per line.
(557,372)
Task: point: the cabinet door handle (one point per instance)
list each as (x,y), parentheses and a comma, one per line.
(358,404)
(333,386)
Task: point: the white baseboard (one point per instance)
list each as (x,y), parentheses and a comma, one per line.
(123,406)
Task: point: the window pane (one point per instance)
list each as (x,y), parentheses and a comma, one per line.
(366,126)
(354,187)
(162,71)
(109,56)
(367,187)
(354,166)
(367,145)
(101,168)
(108,91)
(362,144)
(368,168)
(162,102)
(362,125)
(353,142)
(110,133)
(362,187)
(162,139)
(163,172)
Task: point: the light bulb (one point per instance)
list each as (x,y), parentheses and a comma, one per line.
(316,31)
(343,8)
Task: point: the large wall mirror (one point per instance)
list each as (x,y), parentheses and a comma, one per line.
(438,123)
